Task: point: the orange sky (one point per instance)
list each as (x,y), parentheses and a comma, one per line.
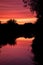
(14,9)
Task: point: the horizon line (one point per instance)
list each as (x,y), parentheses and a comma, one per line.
(20,20)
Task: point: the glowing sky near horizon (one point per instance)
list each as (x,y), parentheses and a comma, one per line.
(14,9)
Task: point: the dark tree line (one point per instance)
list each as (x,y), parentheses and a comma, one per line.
(11,30)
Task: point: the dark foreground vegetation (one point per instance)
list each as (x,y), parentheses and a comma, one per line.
(37,46)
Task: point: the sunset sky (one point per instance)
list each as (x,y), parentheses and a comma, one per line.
(14,9)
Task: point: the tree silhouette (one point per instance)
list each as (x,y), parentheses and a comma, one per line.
(0,22)
(11,21)
(35,5)
(37,46)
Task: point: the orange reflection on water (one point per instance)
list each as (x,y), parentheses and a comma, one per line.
(19,54)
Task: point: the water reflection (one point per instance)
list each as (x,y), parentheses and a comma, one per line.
(19,54)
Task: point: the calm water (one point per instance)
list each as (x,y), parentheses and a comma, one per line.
(19,54)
